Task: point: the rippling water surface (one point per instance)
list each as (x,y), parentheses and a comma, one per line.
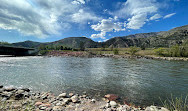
(140,81)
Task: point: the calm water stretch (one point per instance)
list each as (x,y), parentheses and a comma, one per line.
(140,81)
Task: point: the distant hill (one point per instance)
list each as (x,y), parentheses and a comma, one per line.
(74,42)
(154,39)
(29,44)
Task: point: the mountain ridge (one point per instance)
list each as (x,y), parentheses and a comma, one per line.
(174,36)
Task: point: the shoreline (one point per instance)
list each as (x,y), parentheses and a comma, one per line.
(24,99)
(90,55)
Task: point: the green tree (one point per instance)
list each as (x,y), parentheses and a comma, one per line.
(82,47)
(159,51)
(116,51)
(61,47)
(133,50)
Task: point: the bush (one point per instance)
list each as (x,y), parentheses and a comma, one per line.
(116,51)
(159,51)
(178,51)
(133,50)
(43,52)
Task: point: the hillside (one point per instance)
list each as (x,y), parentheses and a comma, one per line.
(75,42)
(29,44)
(154,39)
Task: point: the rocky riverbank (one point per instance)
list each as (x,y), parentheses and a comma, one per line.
(90,54)
(13,99)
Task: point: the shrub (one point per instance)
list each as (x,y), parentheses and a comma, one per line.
(159,51)
(43,52)
(178,51)
(133,50)
(116,51)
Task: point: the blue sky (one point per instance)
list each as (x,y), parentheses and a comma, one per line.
(100,20)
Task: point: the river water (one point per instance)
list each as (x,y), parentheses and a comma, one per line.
(140,81)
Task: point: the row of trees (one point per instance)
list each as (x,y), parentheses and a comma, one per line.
(173,51)
(49,47)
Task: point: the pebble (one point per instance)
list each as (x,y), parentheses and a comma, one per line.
(93,100)
(71,94)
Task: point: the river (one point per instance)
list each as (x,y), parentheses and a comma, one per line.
(140,81)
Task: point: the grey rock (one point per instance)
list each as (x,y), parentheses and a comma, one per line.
(57,108)
(58,104)
(66,100)
(26,89)
(9,89)
(108,105)
(108,109)
(113,104)
(42,108)
(71,94)
(63,95)
(74,99)
(6,94)
(93,100)
(20,91)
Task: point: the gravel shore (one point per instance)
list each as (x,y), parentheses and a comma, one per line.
(14,99)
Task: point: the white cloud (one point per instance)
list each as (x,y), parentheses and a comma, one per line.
(137,21)
(83,17)
(107,25)
(78,2)
(155,17)
(137,12)
(100,35)
(41,18)
(169,15)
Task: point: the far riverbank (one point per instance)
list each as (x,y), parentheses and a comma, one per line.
(90,54)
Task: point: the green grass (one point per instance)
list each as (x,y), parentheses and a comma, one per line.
(177,104)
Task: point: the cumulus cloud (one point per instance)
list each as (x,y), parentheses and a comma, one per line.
(83,17)
(169,15)
(137,12)
(39,18)
(78,2)
(107,25)
(155,17)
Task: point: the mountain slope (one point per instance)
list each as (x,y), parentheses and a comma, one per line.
(29,44)
(154,39)
(75,42)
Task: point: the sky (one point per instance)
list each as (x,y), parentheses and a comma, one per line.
(100,20)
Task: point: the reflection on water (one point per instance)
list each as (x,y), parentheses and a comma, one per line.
(138,80)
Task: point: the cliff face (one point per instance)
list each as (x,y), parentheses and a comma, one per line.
(154,39)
